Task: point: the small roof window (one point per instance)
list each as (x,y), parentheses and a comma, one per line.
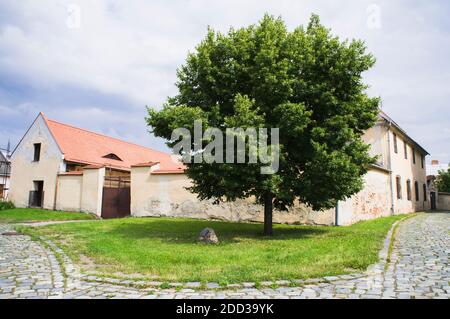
(113,157)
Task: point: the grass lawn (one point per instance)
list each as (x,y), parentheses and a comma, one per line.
(166,249)
(21,215)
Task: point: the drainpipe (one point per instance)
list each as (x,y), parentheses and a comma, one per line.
(336,215)
(56,192)
(390,170)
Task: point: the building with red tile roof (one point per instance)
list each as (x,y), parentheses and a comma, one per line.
(81,146)
(59,166)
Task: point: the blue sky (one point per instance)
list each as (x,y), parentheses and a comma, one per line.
(97,64)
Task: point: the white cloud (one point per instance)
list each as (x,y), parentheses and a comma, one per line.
(131,50)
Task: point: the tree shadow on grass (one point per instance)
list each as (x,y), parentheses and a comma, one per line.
(187,231)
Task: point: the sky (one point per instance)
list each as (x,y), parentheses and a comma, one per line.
(98,64)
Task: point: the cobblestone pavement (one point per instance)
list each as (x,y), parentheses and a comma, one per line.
(418,268)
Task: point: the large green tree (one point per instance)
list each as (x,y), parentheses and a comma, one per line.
(443,181)
(307,83)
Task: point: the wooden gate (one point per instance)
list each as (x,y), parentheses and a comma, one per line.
(116,198)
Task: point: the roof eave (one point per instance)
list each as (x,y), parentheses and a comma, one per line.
(82,162)
(168,172)
(390,122)
(41,114)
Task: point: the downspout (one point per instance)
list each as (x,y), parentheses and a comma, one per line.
(62,168)
(56,192)
(336,215)
(390,169)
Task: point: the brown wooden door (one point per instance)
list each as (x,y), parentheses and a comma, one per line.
(116,202)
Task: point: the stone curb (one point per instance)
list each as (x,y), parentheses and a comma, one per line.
(383,255)
(216,286)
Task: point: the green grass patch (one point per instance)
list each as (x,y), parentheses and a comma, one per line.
(167,250)
(25,215)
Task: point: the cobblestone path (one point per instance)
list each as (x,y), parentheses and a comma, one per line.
(419,267)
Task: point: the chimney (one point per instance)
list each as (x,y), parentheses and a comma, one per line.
(434,162)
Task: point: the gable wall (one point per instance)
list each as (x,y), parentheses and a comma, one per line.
(24,171)
(376,137)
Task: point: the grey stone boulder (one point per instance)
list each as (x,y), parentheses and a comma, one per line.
(208,236)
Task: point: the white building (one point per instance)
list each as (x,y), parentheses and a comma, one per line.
(5,172)
(434,168)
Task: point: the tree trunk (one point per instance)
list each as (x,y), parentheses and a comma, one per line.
(268,208)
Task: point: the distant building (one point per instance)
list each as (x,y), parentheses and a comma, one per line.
(434,168)
(439,200)
(5,174)
(58,166)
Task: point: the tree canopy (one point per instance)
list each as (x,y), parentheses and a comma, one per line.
(443,181)
(306,82)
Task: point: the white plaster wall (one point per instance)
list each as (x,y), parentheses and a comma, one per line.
(69,193)
(406,169)
(443,201)
(376,138)
(375,200)
(166,195)
(24,171)
(380,192)
(92,191)
(372,202)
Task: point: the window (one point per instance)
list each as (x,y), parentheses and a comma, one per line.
(425,192)
(422,160)
(113,157)
(395,143)
(399,187)
(414,155)
(37,152)
(408,189)
(416,189)
(406,150)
